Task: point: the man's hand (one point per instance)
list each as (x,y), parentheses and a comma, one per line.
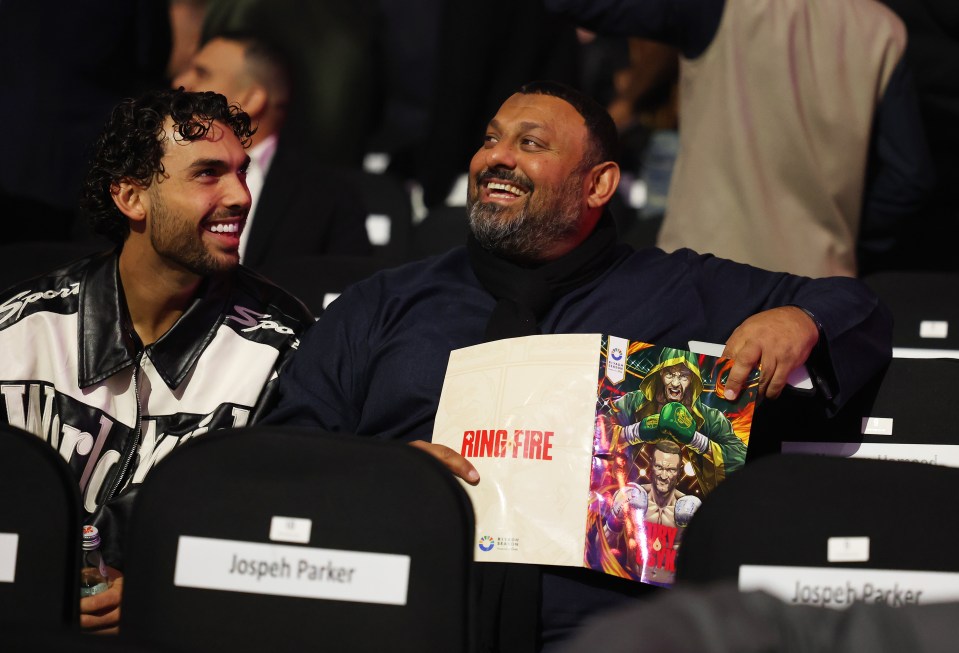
(677,422)
(452,460)
(778,340)
(100,613)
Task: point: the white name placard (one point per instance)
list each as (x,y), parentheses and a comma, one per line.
(378,229)
(877,426)
(921,352)
(285,570)
(847,549)
(933,454)
(837,587)
(8,556)
(291,529)
(933,329)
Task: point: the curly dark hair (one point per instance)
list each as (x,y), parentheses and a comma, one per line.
(131,146)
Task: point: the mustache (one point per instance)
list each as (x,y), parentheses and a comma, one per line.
(227,214)
(510,176)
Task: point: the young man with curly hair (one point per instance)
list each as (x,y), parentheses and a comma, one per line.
(120,357)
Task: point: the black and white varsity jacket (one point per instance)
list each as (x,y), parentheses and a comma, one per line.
(74,373)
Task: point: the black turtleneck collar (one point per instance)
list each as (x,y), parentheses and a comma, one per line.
(525,293)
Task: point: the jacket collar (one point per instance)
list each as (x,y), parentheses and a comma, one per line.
(107,342)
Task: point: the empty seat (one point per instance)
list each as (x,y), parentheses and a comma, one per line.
(904,414)
(39,534)
(21,261)
(284,539)
(444,228)
(389,220)
(318,280)
(926,311)
(814,517)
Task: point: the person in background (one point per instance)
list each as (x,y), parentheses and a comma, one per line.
(800,139)
(186,22)
(298,206)
(330,48)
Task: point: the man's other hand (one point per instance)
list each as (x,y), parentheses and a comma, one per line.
(100,613)
(454,462)
(778,340)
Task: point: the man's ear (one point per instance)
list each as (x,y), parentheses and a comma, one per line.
(253,100)
(603,180)
(131,199)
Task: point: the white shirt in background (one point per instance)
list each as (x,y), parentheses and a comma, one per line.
(261,156)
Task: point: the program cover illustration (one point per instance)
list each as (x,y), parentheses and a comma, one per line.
(592,450)
(663,440)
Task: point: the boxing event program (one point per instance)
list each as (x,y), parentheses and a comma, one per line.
(593,451)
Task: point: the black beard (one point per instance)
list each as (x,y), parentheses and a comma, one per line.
(537,225)
(178,242)
(505,175)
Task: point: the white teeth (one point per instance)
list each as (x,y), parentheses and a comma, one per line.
(225,228)
(495,185)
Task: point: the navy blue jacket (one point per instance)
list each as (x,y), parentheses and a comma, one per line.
(374,363)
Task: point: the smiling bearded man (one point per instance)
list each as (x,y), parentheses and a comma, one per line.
(543,258)
(529,180)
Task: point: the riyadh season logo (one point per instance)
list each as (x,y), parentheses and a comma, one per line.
(616,359)
(486,543)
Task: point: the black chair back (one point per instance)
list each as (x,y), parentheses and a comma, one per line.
(24,260)
(389,220)
(925,305)
(318,280)
(444,228)
(283,539)
(783,510)
(39,534)
(904,413)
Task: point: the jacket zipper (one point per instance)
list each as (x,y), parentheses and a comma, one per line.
(134,442)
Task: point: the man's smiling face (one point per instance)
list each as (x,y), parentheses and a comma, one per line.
(198,206)
(528,181)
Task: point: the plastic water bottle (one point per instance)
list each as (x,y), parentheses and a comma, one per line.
(93,572)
